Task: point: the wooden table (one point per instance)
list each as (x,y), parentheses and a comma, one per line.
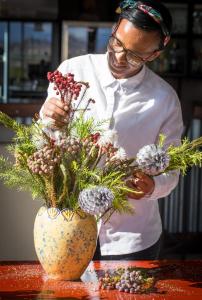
(26,280)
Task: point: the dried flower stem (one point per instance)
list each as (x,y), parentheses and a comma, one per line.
(81,99)
(98,159)
(49,182)
(87,86)
(65,188)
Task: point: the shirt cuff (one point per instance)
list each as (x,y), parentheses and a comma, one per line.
(164,184)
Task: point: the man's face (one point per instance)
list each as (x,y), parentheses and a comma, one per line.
(142,44)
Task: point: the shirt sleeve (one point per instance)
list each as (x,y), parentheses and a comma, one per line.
(172,128)
(63,68)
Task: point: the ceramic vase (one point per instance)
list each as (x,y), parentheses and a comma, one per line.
(64,241)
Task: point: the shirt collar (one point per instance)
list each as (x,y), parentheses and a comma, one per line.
(107,79)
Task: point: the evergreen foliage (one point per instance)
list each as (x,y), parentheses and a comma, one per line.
(186,155)
(71,175)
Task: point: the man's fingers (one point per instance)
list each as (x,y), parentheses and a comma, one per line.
(135,194)
(143,177)
(142,185)
(56,119)
(146,184)
(132,186)
(51,110)
(57,110)
(54,115)
(58,103)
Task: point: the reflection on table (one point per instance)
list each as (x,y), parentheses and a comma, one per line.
(174,280)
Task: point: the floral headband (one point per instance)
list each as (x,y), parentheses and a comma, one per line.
(153,13)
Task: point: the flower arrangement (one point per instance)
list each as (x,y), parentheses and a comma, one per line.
(80,166)
(61,165)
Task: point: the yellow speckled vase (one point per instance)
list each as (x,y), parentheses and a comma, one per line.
(65,242)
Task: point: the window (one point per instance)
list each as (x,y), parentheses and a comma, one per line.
(84,37)
(26,60)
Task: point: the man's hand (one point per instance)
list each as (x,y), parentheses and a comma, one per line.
(142,184)
(56,110)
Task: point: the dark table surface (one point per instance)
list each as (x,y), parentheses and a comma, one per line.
(174,280)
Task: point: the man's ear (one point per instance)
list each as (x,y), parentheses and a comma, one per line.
(155,55)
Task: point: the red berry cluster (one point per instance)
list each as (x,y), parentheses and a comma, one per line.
(66,86)
(94,137)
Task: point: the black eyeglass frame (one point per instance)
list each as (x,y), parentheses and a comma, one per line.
(142,60)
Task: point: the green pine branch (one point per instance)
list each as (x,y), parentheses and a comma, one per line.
(21,131)
(82,128)
(22,180)
(10,123)
(186,155)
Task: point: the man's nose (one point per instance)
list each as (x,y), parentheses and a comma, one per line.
(121,57)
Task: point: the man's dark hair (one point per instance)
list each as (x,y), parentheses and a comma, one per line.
(144,21)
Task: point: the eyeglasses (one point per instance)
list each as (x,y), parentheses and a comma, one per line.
(132,58)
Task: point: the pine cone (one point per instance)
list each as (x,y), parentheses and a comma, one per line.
(43,161)
(96,200)
(70,144)
(152,159)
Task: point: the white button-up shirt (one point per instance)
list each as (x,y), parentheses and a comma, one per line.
(138,108)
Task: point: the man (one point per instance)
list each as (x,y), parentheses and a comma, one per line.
(139,105)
